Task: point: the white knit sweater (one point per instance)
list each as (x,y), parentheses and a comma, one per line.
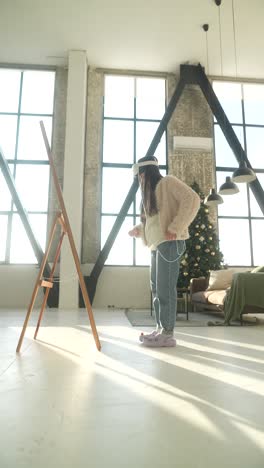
(177,206)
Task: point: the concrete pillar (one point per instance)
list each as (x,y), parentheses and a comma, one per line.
(73,173)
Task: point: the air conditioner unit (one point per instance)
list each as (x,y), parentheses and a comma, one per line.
(192,143)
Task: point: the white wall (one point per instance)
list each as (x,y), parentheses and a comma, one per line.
(124,287)
(16,285)
(121,287)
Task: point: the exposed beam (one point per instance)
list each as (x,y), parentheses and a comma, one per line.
(193,75)
(228,131)
(91,281)
(190,74)
(52,301)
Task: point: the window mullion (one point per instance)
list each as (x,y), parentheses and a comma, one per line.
(134,158)
(10,217)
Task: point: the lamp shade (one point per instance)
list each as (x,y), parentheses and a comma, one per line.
(213,199)
(243,174)
(228,188)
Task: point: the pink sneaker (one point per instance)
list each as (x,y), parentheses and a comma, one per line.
(159,340)
(142,336)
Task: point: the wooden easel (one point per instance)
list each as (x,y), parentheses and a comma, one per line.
(63,220)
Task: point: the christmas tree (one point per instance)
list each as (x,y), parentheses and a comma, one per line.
(202,248)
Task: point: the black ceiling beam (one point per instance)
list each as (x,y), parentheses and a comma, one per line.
(53,296)
(189,75)
(114,231)
(227,130)
(91,281)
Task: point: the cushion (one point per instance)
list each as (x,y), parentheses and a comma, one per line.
(220,279)
(209,297)
(217,297)
(199,296)
(259,269)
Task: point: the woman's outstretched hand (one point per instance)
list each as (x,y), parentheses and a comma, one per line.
(135,232)
(170,236)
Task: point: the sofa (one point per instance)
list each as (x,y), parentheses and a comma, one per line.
(229,291)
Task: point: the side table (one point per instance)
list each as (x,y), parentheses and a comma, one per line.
(184,294)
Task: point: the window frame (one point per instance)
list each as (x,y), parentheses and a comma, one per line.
(222,169)
(163,167)
(15,162)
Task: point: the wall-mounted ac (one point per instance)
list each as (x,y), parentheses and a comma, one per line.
(192,143)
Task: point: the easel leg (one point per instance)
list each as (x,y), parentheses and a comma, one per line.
(50,279)
(32,302)
(89,310)
(37,284)
(70,236)
(82,285)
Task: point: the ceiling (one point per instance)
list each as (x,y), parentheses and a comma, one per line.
(151,35)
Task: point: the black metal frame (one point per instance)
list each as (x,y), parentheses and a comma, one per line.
(133,119)
(219,169)
(189,75)
(192,75)
(24,218)
(53,297)
(15,161)
(91,281)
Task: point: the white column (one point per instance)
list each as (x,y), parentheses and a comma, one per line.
(73,173)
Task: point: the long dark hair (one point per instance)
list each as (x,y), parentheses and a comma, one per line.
(148,185)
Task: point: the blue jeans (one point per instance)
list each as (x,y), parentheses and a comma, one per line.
(164,273)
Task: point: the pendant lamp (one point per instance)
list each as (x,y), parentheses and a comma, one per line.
(228,187)
(213,198)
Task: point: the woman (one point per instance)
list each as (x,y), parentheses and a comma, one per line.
(168,208)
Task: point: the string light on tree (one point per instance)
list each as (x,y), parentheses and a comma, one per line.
(202,248)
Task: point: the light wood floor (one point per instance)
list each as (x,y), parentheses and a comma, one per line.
(64,404)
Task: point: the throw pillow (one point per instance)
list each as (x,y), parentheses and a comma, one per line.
(259,269)
(220,279)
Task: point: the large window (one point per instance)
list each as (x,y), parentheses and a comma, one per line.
(26,97)
(241,222)
(133,108)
